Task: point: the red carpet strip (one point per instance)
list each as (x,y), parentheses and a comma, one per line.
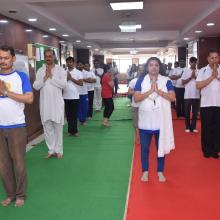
(192,189)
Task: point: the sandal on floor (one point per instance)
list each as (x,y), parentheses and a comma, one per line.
(7,201)
(19,202)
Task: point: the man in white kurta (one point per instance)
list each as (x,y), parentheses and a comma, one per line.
(97,87)
(50,80)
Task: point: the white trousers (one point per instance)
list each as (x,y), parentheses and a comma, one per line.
(53,133)
(97,98)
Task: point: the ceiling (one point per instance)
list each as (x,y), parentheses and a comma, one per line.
(164,22)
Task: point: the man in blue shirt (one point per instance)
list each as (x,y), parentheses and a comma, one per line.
(15,91)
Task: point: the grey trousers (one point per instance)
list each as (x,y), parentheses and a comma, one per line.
(12,161)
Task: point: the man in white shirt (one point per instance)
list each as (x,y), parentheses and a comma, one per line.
(83,94)
(134,105)
(71,95)
(169,69)
(15,91)
(169,72)
(208,80)
(179,88)
(191,96)
(97,87)
(90,82)
(51,79)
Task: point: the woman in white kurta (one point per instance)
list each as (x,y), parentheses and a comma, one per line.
(50,80)
(154,92)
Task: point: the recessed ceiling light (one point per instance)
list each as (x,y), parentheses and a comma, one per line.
(185,38)
(32,19)
(45,36)
(129,27)
(89,46)
(3,21)
(52,29)
(28,30)
(96,49)
(199,31)
(65,35)
(127,5)
(62,41)
(210,24)
(78,41)
(133,51)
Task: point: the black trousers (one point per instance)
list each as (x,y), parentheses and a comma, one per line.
(91,97)
(115,86)
(180,107)
(71,109)
(109,107)
(210,136)
(194,105)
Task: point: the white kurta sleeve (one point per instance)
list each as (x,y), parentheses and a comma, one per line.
(59,79)
(39,82)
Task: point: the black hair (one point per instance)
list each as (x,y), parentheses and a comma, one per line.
(176,62)
(48,50)
(139,65)
(96,61)
(80,61)
(106,67)
(213,50)
(87,63)
(161,68)
(69,59)
(7,48)
(192,59)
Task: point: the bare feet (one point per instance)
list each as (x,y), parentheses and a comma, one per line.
(19,202)
(59,156)
(161,177)
(144,177)
(106,124)
(49,156)
(7,201)
(76,135)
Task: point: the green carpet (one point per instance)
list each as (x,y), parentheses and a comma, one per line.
(89,183)
(122,111)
